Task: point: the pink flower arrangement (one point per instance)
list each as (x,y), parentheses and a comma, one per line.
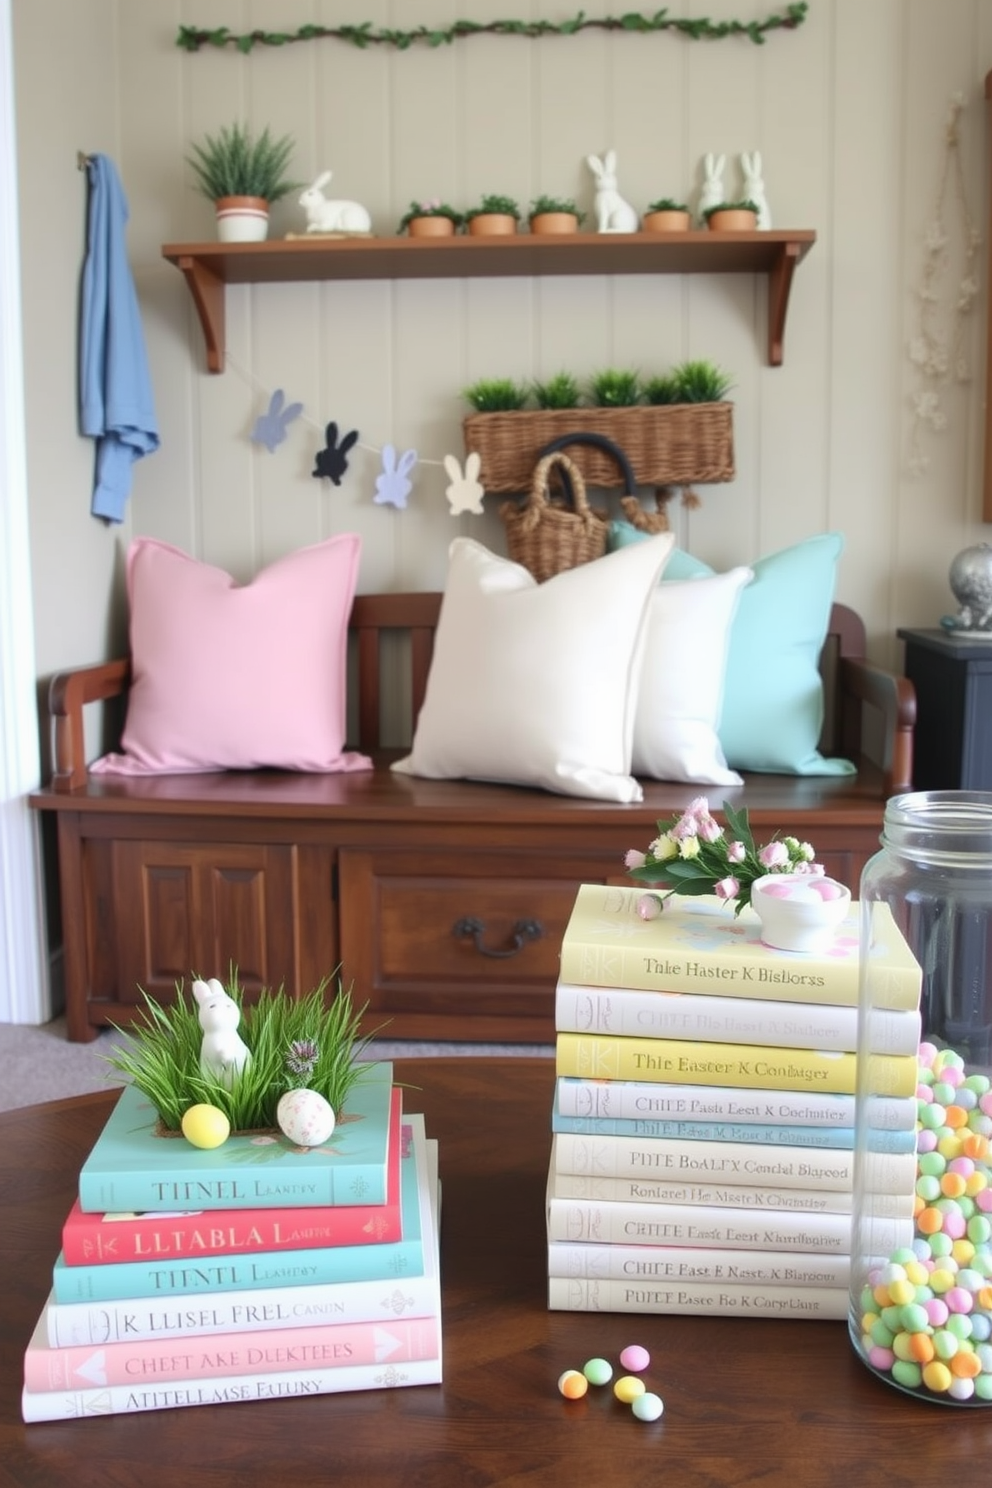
(693,854)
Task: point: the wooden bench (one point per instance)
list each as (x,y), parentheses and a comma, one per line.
(442,903)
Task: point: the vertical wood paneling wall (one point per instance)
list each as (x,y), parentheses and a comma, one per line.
(848,113)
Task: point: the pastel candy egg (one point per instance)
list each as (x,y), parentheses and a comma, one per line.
(572,1384)
(598,1371)
(304,1117)
(628,1387)
(635,1358)
(204,1126)
(647,1407)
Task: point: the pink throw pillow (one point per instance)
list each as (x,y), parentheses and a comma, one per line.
(229,676)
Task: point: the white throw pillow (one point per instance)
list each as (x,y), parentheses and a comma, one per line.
(536,684)
(685,661)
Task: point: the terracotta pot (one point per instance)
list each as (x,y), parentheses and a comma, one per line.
(666,221)
(431,227)
(492,225)
(554,222)
(242,219)
(733,219)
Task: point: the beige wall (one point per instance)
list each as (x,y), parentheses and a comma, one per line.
(848,112)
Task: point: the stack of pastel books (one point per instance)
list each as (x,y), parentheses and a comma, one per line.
(252,1271)
(703,1150)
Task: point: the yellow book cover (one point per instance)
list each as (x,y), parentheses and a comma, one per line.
(754,1066)
(699,945)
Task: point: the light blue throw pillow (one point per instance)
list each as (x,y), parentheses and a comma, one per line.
(773,696)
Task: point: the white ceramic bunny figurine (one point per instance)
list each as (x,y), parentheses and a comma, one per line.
(754,187)
(223,1052)
(324,215)
(613,213)
(711,194)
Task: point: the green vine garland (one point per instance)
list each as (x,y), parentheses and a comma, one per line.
(192,38)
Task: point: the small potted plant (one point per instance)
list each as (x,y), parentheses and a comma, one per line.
(494,216)
(242,174)
(430,219)
(666,215)
(734,216)
(554,214)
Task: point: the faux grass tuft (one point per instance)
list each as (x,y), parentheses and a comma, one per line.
(161,1055)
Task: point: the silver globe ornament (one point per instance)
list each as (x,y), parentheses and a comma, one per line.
(971,584)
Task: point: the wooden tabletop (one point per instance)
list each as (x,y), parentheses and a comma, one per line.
(771,1402)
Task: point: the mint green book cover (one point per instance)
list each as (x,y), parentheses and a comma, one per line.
(275,1268)
(132,1167)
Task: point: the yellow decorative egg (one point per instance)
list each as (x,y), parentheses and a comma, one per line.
(205,1126)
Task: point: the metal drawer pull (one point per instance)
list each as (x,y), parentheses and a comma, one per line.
(523,931)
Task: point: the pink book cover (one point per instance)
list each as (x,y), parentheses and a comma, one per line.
(228,1355)
(89,1239)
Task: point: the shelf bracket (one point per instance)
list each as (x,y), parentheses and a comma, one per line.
(207,289)
(779,285)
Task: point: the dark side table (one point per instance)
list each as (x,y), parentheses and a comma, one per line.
(952,674)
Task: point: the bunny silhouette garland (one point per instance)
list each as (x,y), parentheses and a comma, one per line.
(393,485)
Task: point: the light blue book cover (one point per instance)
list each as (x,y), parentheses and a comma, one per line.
(132,1167)
(276,1268)
(762,1133)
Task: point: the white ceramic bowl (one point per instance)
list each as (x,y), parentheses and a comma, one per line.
(799,912)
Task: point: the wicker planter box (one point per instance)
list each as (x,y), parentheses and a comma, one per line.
(676,444)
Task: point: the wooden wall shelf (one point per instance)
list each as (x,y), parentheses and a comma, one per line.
(209,267)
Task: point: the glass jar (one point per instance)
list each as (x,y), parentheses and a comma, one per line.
(921,1276)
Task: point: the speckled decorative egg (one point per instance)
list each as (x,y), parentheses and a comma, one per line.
(305,1117)
(205,1126)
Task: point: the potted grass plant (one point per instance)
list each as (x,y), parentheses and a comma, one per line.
(242,174)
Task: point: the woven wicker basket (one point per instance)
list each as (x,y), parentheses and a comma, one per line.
(674,444)
(547,536)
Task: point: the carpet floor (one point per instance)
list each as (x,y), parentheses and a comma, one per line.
(38,1063)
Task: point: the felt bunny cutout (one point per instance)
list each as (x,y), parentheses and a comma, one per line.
(754,187)
(711,194)
(270,427)
(223,1053)
(466,491)
(392,486)
(332,462)
(613,213)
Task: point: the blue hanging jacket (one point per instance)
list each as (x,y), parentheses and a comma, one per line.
(115,393)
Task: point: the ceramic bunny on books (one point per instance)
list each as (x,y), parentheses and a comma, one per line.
(223,1052)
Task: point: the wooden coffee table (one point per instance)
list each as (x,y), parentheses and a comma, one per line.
(764,1402)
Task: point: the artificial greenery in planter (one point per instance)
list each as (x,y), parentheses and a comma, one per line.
(714,215)
(496,395)
(494,206)
(682,435)
(309,1042)
(430,209)
(697,381)
(560,391)
(667,204)
(242,174)
(548,206)
(615,388)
